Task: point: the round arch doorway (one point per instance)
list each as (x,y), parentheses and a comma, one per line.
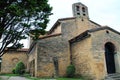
(109,56)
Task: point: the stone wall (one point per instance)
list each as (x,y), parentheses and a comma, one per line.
(74,27)
(57,47)
(32,60)
(99,39)
(11,58)
(53,57)
(88,55)
(57,30)
(82,58)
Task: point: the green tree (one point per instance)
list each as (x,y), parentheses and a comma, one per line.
(20,68)
(20,19)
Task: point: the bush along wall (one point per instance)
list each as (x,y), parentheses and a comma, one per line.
(19,68)
(70,71)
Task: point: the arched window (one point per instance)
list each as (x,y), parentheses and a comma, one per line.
(77,8)
(83,9)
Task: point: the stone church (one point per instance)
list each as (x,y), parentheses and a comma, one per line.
(77,40)
(92,48)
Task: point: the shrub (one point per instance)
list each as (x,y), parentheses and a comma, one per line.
(70,71)
(13,71)
(20,68)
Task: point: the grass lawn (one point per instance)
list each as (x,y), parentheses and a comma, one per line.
(55,79)
(9,75)
(69,79)
(33,78)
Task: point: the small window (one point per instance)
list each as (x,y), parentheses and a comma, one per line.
(107,32)
(77,8)
(78,13)
(83,9)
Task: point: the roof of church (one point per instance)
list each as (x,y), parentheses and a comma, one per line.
(47,36)
(95,23)
(86,33)
(18,50)
(63,19)
(58,22)
(52,35)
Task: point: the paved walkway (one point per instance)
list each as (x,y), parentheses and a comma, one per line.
(4,77)
(17,78)
(13,78)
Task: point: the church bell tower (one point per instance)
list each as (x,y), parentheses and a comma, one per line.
(80,10)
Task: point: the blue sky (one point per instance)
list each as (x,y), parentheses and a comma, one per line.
(104,12)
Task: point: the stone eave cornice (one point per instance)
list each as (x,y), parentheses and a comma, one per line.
(103,28)
(17,50)
(87,33)
(80,37)
(95,23)
(51,35)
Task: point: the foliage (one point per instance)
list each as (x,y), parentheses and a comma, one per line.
(20,68)
(70,71)
(20,19)
(13,71)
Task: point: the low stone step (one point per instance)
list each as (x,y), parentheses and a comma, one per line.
(115,76)
(108,78)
